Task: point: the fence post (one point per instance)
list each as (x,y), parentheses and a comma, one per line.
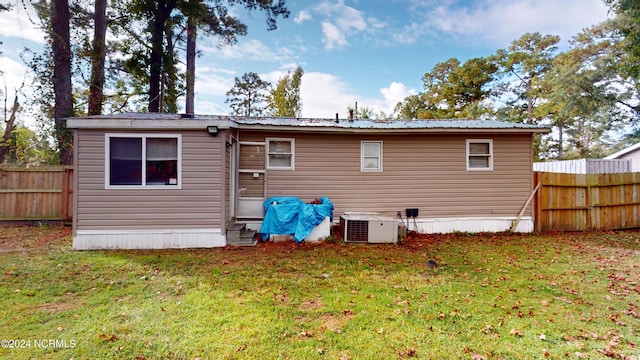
(68,174)
(536,203)
(588,203)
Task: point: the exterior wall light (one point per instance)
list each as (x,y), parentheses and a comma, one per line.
(212,130)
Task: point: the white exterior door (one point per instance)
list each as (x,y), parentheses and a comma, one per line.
(252,180)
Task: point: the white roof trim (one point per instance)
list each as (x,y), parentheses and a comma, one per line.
(623,152)
(152,121)
(148,124)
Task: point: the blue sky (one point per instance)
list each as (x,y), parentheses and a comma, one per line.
(370,51)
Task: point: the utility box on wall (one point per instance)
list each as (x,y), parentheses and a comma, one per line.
(368,228)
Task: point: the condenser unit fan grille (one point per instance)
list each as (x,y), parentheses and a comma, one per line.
(357,230)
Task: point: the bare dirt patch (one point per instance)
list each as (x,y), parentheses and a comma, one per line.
(56,307)
(311,305)
(26,238)
(332,322)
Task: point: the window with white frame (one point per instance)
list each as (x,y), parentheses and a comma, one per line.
(280,154)
(371,156)
(479,155)
(141,160)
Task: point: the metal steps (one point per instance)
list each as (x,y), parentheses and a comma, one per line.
(239,235)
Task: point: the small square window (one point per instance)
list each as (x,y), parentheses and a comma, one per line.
(281,154)
(479,155)
(371,156)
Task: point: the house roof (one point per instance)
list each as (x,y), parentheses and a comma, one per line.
(623,152)
(152,121)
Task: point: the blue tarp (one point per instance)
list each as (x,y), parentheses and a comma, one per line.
(290,215)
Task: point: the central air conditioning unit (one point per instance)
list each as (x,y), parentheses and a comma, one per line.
(368,228)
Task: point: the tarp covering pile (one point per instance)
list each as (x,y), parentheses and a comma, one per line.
(286,215)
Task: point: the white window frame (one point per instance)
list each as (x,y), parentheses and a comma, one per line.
(489,155)
(143,136)
(362,157)
(268,153)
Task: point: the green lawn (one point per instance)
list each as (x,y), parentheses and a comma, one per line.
(556,296)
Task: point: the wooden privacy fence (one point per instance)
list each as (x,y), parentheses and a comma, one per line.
(36,193)
(576,202)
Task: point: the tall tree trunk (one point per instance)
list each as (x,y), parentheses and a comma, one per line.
(97,58)
(169,88)
(561,140)
(162,11)
(191,66)
(62,89)
(155,58)
(8,130)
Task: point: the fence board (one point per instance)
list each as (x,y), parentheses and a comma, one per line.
(576,202)
(36,193)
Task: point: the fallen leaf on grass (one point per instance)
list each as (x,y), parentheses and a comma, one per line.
(631,311)
(515,332)
(407,353)
(616,320)
(106,337)
(487,329)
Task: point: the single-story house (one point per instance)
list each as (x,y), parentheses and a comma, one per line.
(176,181)
(631,153)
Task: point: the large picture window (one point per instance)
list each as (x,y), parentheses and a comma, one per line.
(280,154)
(479,155)
(371,156)
(142,160)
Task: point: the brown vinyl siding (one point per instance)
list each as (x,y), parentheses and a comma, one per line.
(425,171)
(196,205)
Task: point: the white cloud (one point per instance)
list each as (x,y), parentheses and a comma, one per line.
(252,50)
(341,21)
(211,89)
(376,23)
(273,77)
(500,22)
(409,34)
(323,95)
(302,16)
(290,66)
(333,36)
(246,50)
(348,18)
(391,95)
(16,77)
(213,81)
(395,93)
(17,23)
(13,73)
